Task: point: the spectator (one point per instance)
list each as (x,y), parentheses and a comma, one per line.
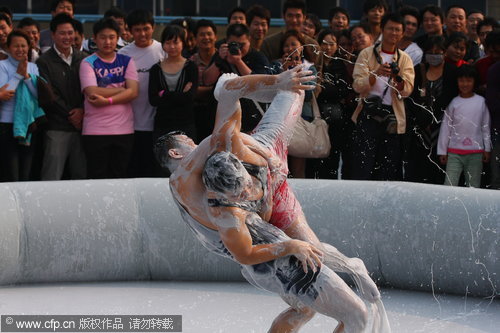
(126,35)
(456,22)
(435,87)
(345,47)
(483,29)
(5,29)
(374,11)
(411,18)
(259,19)
(172,85)
(492,47)
(59,66)
(293,53)
(118,16)
(432,19)
(6,11)
(16,160)
(205,104)
(189,25)
(361,37)
(312,25)
(464,138)
(56,7)
(31,28)
(109,82)
(383,76)
(339,19)
(473,18)
(294,13)
(145,51)
(236,56)
(236,16)
(493,102)
(335,94)
(79,36)
(456,48)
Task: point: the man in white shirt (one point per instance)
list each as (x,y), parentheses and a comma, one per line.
(146,52)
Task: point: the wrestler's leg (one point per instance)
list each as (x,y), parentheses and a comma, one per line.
(289,217)
(262,88)
(301,230)
(293,318)
(338,301)
(276,126)
(334,259)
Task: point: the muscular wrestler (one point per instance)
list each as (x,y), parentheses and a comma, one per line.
(238,182)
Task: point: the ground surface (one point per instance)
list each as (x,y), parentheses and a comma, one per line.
(238,307)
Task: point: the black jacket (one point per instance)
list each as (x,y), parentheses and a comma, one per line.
(173,107)
(437,104)
(65,83)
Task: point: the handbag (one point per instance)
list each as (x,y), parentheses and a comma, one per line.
(310,139)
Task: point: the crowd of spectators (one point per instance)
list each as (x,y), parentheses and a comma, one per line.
(409,95)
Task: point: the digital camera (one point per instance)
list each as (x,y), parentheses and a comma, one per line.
(234,48)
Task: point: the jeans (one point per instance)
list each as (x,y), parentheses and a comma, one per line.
(470,164)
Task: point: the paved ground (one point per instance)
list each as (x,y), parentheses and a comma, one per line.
(238,307)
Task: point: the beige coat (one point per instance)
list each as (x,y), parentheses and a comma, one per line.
(366,63)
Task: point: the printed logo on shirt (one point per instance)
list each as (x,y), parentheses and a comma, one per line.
(467,142)
(109,73)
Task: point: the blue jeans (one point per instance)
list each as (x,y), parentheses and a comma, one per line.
(470,164)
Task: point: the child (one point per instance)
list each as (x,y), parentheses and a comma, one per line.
(464,138)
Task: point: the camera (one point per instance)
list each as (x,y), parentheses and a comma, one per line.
(395,71)
(234,48)
(394,68)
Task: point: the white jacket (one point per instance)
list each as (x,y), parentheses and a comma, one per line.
(465,127)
